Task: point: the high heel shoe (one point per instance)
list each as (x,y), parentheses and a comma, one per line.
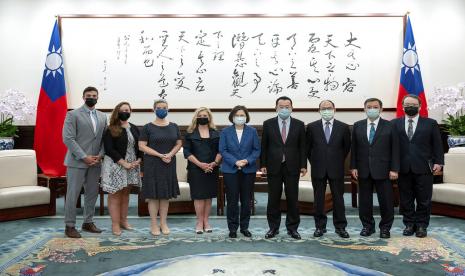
(116,230)
(198,231)
(155,232)
(127,226)
(165,230)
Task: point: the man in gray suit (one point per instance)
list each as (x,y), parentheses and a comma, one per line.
(82,135)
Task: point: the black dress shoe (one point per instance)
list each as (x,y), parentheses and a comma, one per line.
(342,233)
(271,233)
(233,234)
(246,233)
(319,232)
(384,234)
(409,230)
(366,232)
(421,232)
(294,234)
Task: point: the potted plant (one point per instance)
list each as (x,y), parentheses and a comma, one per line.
(452,100)
(14,107)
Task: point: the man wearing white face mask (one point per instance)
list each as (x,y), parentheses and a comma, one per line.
(328,143)
(283,159)
(374,162)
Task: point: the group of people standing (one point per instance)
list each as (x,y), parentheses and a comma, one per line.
(115,153)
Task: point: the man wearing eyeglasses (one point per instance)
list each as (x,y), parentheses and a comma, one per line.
(421,155)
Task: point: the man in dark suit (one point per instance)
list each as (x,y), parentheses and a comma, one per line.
(375,161)
(283,159)
(328,143)
(421,156)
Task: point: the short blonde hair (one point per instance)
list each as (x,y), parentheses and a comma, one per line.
(159,101)
(193,124)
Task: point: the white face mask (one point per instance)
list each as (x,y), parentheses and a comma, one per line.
(372,113)
(239,120)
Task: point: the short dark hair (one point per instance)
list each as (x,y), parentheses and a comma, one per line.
(373,100)
(319,106)
(88,89)
(283,98)
(411,96)
(235,110)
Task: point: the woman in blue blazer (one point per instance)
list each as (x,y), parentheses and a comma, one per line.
(240,148)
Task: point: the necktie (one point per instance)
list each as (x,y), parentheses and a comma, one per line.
(327,131)
(93,118)
(410,129)
(372,133)
(283,136)
(284,132)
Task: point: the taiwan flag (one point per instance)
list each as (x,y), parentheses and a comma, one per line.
(51,111)
(410,74)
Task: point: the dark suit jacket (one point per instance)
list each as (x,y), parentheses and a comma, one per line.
(425,148)
(273,147)
(202,150)
(327,158)
(116,147)
(232,151)
(378,158)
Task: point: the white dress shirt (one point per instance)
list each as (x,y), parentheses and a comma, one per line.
(376,122)
(414,123)
(331,123)
(239,134)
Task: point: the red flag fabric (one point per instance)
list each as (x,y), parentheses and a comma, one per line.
(51,111)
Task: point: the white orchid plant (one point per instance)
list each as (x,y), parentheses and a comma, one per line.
(452,100)
(14,107)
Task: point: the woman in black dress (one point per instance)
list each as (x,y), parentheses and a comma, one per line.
(160,140)
(201,151)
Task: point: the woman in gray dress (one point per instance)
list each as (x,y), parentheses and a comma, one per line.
(160,140)
(120,167)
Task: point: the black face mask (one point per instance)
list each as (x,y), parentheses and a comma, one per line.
(90,102)
(411,110)
(124,116)
(202,121)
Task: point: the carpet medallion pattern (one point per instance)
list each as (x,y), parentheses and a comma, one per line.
(45,251)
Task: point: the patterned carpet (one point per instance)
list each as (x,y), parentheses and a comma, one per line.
(45,251)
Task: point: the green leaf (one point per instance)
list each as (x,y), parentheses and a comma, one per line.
(455,125)
(7,129)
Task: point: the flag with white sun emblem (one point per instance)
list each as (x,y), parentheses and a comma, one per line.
(410,74)
(51,111)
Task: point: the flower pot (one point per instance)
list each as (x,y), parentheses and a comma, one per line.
(6,143)
(455,141)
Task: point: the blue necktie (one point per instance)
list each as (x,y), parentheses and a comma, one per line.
(327,131)
(93,114)
(372,133)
